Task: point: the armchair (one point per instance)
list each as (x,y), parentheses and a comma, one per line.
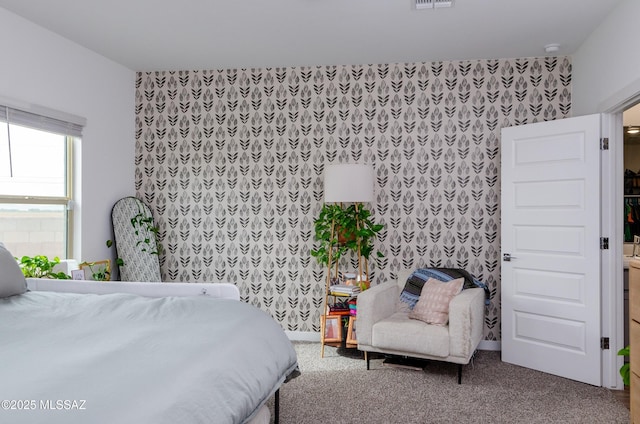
(384,328)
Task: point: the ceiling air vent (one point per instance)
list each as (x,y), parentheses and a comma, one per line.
(430,4)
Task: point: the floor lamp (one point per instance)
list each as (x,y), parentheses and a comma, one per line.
(345,183)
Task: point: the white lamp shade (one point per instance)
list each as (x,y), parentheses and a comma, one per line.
(349,183)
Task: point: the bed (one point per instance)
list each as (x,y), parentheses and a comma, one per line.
(137,353)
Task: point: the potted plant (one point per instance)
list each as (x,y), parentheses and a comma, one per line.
(100,271)
(341,229)
(625,369)
(40,266)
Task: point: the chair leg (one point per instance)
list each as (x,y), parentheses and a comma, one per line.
(366,358)
(276,418)
(459,373)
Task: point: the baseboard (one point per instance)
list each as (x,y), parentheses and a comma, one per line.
(303,336)
(312,336)
(490,345)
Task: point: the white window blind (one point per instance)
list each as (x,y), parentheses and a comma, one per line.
(40,122)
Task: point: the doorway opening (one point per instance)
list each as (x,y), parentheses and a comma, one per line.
(631,199)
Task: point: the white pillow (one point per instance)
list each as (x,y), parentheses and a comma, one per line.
(12,281)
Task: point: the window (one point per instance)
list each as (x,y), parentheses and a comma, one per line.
(35,183)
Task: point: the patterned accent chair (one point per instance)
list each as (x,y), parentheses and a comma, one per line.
(384,326)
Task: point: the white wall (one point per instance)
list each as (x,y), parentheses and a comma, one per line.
(41,68)
(606,68)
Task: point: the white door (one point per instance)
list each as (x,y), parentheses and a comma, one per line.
(551,247)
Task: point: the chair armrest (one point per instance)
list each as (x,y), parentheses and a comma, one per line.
(375,304)
(466,322)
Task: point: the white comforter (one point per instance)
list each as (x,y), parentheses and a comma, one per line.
(121,358)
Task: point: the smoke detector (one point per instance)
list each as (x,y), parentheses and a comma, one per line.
(431,4)
(552,48)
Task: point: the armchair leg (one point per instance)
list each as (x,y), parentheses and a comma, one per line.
(366,358)
(276,413)
(459,373)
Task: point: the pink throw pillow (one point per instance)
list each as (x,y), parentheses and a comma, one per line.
(433,305)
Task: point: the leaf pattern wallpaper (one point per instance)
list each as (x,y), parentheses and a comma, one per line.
(231,163)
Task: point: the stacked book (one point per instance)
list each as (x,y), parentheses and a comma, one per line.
(339,310)
(353,307)
(344,290)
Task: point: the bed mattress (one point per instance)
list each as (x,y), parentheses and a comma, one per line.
(122,358)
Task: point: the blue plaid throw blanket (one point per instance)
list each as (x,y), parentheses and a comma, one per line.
(413,287)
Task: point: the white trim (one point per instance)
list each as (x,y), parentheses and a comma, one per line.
(611,226)
(493,345)
(312,336)
(303,336)
(612,321)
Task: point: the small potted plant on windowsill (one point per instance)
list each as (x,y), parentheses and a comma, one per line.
(40,266)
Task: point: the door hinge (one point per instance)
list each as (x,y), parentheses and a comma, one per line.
(604,343)
(604,243)
(604,143)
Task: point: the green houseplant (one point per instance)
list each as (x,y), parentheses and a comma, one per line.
(100,271)
(40,266)
(341,229)
(119,261)
(625,369)
(145,232)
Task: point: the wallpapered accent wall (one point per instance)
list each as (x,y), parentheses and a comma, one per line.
(231,162)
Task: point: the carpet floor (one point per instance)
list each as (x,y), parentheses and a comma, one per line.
(337,389)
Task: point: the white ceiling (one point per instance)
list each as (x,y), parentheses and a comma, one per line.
(147,35)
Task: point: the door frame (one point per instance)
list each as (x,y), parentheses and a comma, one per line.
(612,193)
(612,324)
